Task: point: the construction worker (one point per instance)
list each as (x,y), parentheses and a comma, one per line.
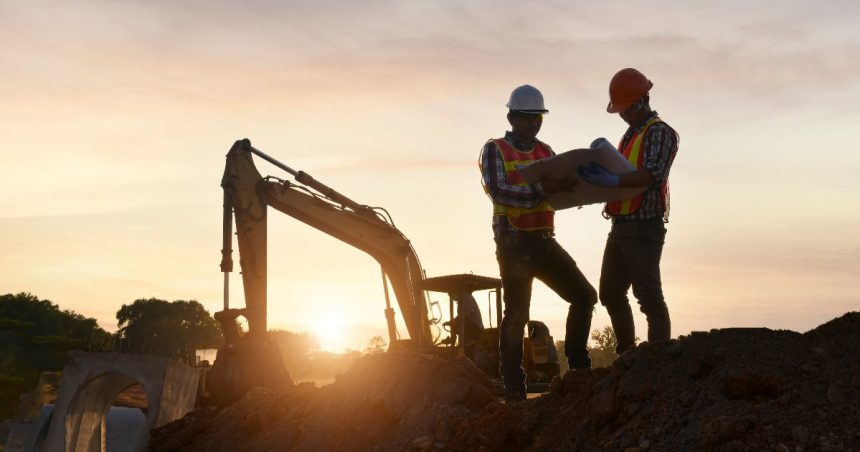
(635,243)
(525,247)
(469,312)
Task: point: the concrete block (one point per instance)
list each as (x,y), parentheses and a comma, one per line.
(91,382)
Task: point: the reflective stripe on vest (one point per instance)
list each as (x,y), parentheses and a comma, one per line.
(537,217)
(634,155)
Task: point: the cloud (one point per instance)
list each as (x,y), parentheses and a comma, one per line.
(222,54)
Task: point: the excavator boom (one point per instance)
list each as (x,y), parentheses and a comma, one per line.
(313,203)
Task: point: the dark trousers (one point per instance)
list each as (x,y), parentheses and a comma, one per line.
(632,257)
(522,258)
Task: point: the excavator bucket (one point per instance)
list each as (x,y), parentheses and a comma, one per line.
(244,362)
(245,365)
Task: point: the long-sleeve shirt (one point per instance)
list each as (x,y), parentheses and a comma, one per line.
(659,147)
(495,180)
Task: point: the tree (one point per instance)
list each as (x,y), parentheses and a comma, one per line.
(35,336)
(157,327)
(605,339)
(603,354)
(376,344)
(296,348)
(27,314)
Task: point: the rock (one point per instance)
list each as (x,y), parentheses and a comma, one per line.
(604,406)
(834,394)
(556,385)
(633,408)
(725,428)
(781,448)
(422,443)
(478,397)
(807,368)
(696,368)
(800,434)
(443,432)
(674,349)
(749,385)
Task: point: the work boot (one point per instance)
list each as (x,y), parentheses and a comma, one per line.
(512,397)
(583,361)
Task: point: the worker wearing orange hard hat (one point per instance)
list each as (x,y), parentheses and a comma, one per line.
(635,242)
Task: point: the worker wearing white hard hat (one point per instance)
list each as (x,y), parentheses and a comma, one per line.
(525,245)
(527,99)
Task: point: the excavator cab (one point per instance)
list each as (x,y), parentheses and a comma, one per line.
(540,357)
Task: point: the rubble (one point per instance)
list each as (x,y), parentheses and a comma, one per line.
(723,390)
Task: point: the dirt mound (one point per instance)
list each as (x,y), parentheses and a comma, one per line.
(390,401)
(730,389)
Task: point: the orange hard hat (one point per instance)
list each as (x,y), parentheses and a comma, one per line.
(627,86)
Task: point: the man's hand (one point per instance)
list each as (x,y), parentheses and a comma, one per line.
(596,174)
(566,183)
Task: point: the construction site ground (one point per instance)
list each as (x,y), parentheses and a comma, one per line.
(724,390)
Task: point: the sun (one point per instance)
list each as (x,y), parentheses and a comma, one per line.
(329,331)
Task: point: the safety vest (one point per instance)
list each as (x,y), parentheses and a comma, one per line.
(537,217)
(632,152)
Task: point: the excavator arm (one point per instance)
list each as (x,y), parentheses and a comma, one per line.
(248,195)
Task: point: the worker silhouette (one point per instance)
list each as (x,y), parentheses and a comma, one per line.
(472,325)
(525,245)
(635,242)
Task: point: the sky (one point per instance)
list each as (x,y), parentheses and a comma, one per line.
(116,117)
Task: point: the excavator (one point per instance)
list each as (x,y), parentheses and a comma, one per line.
(251,359)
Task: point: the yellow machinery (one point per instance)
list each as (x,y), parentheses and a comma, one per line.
(250,360)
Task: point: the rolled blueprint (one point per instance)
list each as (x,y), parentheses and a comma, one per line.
(566,164)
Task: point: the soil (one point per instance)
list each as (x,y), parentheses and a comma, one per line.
(723,390)
(132,397)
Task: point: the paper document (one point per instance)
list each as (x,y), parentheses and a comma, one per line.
(565,165)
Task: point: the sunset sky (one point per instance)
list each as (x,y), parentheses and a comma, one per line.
(116,117)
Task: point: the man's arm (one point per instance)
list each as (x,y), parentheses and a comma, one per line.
(495,180)
(639,178)
(657,151)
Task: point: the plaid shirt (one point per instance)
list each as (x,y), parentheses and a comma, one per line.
(495,180)
(658,150)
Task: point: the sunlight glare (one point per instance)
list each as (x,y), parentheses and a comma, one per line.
(328,330)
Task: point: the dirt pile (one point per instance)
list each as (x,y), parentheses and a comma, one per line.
(727,390)
(390,401)
(730,389)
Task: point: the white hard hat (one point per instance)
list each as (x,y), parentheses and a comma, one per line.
(527,99)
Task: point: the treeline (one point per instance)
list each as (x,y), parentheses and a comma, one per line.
(36,335)
(160,328)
